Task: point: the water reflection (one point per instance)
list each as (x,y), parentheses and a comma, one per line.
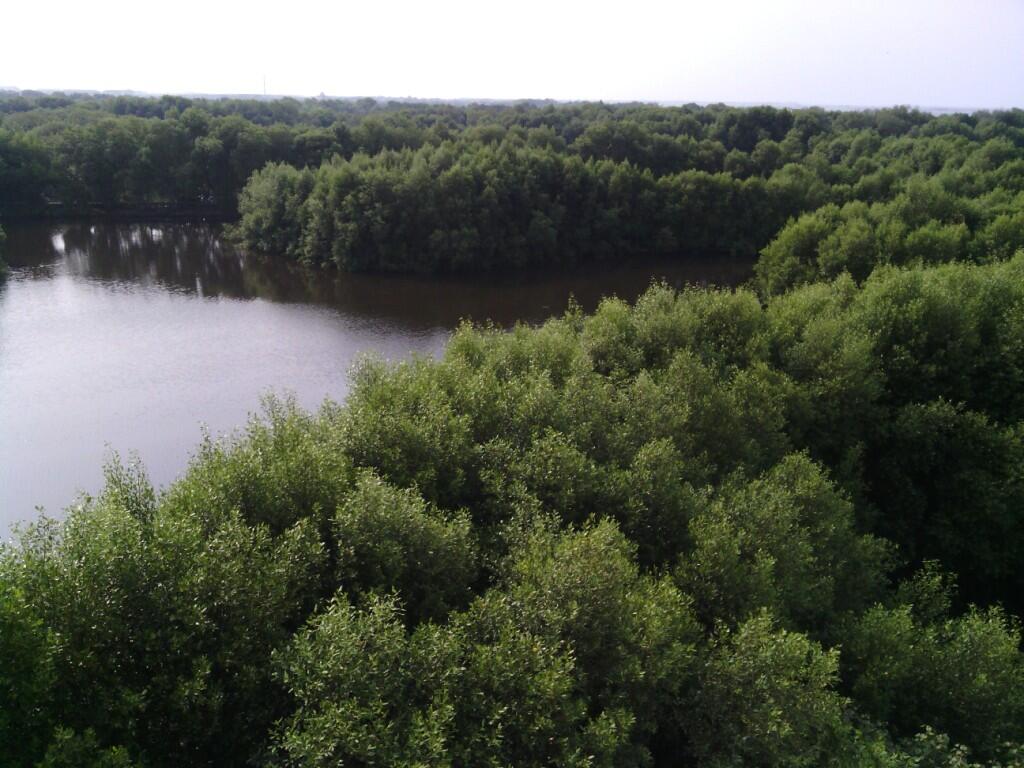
(196,259)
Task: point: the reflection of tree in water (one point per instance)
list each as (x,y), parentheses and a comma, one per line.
(195,259)
(185,258)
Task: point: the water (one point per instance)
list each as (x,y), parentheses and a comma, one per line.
(130,338)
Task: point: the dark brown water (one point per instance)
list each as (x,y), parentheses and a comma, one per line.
(130,338)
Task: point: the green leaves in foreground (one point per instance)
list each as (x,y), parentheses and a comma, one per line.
(575,660)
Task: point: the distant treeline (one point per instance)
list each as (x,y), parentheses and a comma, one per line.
(705,530)
(79,153)
(834,191)
(433,187)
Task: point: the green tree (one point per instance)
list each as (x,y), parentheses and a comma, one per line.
(27,677)
(766,697)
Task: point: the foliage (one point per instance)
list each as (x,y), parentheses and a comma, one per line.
(389,540)
(912,666)
(766,698)
(540,671)
(26,678)
(787,542)
(71,750)
(163,623)
(857,190)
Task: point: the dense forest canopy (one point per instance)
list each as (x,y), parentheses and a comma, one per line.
(778,526)
(363,184)
(836,191)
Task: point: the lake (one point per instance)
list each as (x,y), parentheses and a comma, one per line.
(133,338)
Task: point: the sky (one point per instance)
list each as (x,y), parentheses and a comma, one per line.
(939,53)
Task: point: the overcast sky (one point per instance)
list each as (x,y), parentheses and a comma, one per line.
(968,53)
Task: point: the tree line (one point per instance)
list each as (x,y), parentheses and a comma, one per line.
(706,529)
(363,184)
(427,187)
(820,193)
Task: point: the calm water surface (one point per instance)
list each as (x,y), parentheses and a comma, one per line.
(132,338)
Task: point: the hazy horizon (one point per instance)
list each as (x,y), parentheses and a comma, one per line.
(926,53)
(456,100)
